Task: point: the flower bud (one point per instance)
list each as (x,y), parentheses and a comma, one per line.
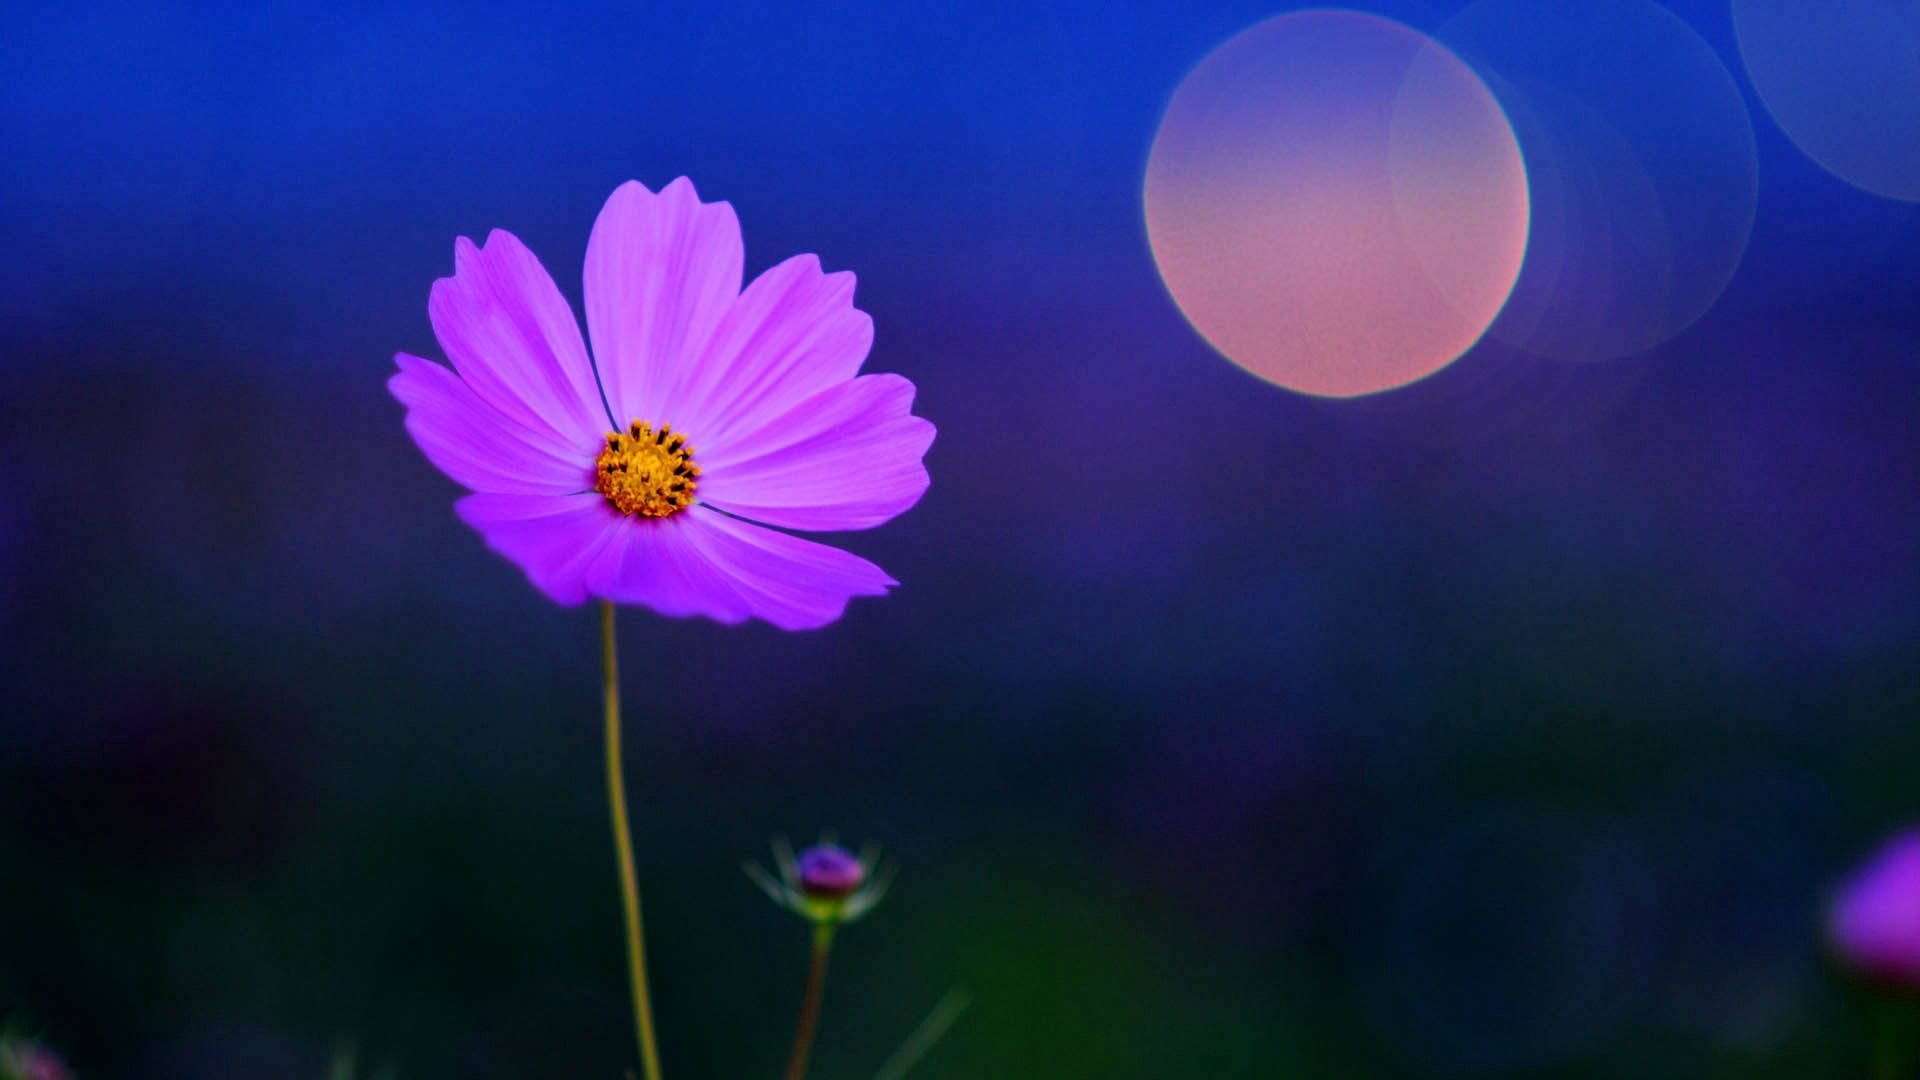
(830,872)
(826,884)
(1875,920)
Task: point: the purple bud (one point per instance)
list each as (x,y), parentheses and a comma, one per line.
(21,1059)
(1875,921)
(830,872)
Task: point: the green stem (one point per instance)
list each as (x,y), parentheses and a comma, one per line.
(623,850)
(810,1004)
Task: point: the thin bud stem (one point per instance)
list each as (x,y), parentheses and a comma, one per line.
(810,1004)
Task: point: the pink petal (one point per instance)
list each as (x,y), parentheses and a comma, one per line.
(846,458)
(791,334)
(475,443)
(661,271)
(514,340)
(792,583)
(554,538)
(1875,922)
(699,562)
(656,563)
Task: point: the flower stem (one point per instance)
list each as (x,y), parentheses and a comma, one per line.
(810,1004)
(623,850)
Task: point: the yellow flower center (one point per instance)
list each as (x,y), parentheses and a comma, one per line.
(646,472)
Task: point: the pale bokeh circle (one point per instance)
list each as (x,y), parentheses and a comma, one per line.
(1336,203)
(1842,79)
(1643,171)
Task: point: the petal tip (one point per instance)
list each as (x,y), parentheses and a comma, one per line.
(682,191)
(627,198)
(840,283)
(409,371)
(924,431)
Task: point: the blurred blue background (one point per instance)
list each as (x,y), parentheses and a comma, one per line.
(1511,724)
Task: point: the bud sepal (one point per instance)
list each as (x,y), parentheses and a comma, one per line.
(826,884)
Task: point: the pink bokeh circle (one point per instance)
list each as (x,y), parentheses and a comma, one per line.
(1337,203)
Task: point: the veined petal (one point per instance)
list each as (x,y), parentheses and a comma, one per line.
(661,271)
(476,444)
(656,563)
(791,334)
(792,583)
(512,337)
(846,458)
(698,562)
(554,538)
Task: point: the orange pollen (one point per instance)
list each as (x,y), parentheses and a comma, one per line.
(646,472)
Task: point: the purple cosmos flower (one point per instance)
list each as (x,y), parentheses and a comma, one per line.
(732,410)
(1875,921)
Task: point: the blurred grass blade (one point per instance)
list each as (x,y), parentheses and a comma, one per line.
(343,1067)
(924,1036)
(346,1065)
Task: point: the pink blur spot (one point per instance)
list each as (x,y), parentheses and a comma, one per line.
(1336,203)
